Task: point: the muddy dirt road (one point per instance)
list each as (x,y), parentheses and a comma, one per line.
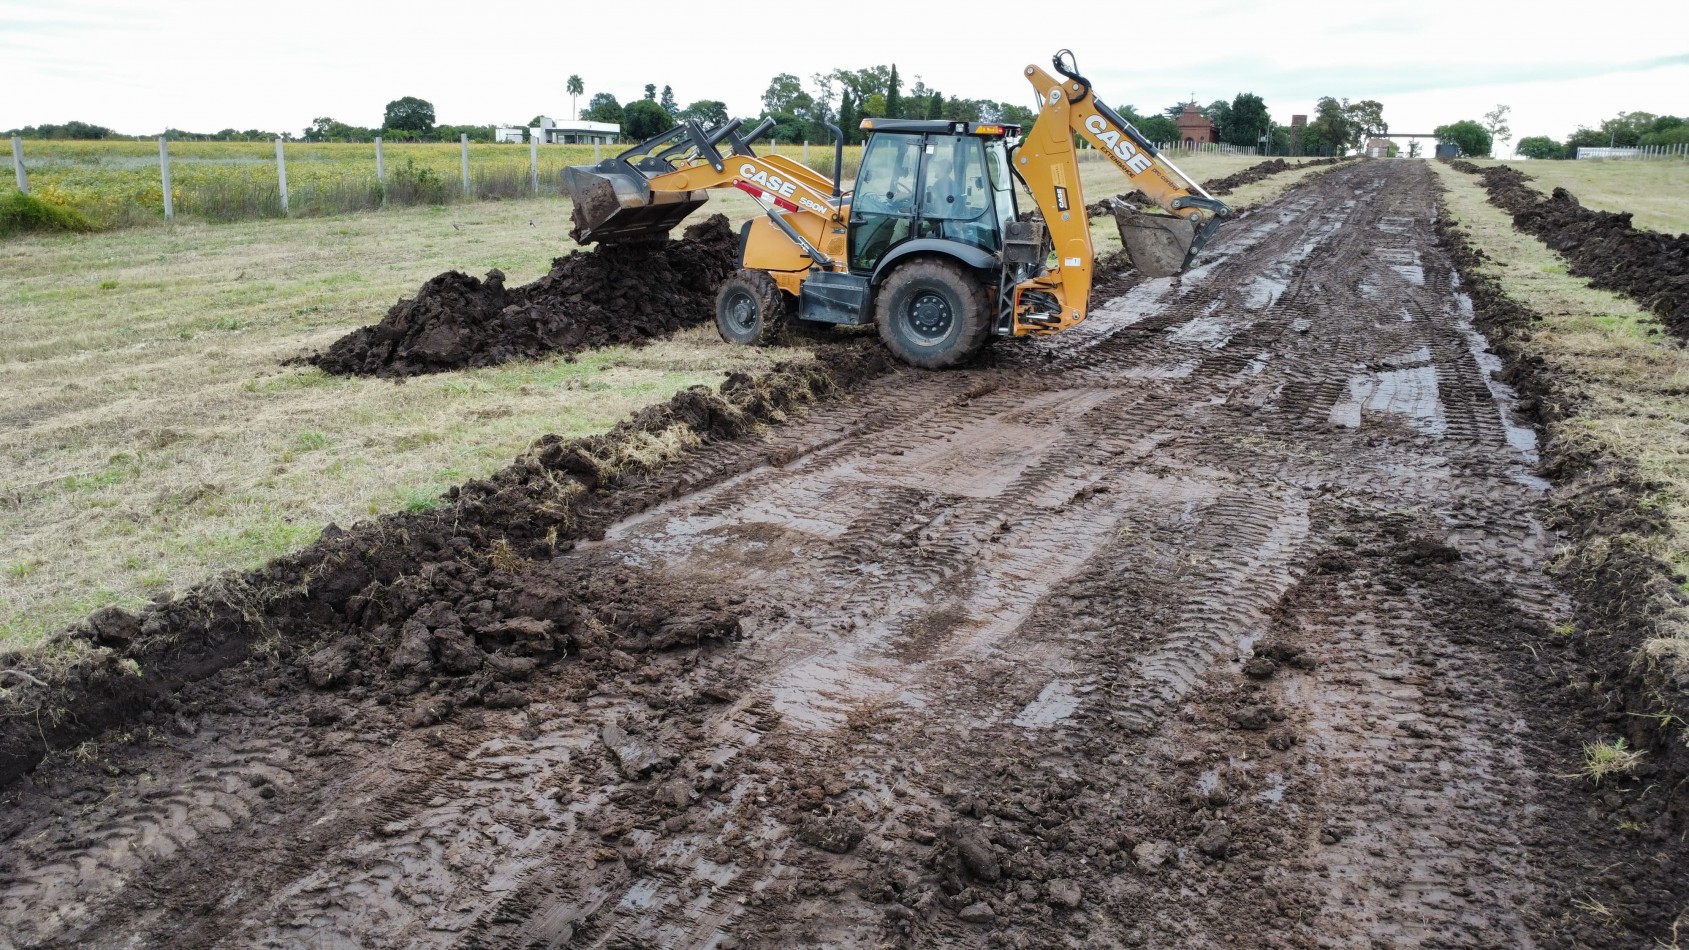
(1212,623)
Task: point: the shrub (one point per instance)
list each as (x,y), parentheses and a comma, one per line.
(20,213)
(1539,146)
(1473,139)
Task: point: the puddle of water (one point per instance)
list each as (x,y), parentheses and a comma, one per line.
(1411,393)
(1263,291)
(1274,794)
(1211,332)
(1208,781)
(1055,702)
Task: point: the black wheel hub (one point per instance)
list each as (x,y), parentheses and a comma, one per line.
(742,311)
(930,317)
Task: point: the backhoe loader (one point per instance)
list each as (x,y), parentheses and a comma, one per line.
(930,245)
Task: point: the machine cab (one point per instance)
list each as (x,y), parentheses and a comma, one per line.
(930,180)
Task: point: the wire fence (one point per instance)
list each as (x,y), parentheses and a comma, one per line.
(119,183)
(1679,152)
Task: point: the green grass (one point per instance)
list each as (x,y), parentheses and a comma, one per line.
(21,214)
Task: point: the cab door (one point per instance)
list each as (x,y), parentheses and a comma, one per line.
(883,206)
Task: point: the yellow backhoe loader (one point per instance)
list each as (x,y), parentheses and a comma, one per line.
(930,246)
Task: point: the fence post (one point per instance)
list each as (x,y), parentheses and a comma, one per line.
(17,164)
(596,155)
(463,143)
(534,161)
(164,170)
(806,152)
(380,163)
(281,174)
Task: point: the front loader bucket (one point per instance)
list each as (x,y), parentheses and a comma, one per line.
(614,203)
(1158,244)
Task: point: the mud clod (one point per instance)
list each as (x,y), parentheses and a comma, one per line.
(628,294)
(973,850)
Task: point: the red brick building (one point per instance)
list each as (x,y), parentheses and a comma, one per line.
(1194,127)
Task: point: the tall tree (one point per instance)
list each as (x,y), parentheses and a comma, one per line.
(1219,112)
(603,108)
(576,88)
(644,118)
(651,92)
(1473,139)
(1249,120)
(667,101)
(848,118)
(782,95)
(1366,119)
(410,114)
(894,95)
(1331,129)
(1495,123)
(706,112)
(935,105)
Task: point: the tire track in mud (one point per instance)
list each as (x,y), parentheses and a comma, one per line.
(1159,633)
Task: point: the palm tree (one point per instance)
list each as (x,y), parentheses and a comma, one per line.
(576,90)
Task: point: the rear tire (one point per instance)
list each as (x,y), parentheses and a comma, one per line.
(933,313)
(749,309)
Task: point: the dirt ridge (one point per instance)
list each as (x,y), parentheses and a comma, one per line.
(338,588)
(587,300)
(1603,246)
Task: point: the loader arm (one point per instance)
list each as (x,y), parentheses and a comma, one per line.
(648,189)
(1047,162)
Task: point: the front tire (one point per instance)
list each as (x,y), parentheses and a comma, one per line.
(749,309)
(933,313)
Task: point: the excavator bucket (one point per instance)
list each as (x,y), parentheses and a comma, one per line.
(614,203)
(1158,244)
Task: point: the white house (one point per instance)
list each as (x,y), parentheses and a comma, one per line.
(578,132)
(505,133)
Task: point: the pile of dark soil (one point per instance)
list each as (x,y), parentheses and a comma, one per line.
(1604,247)
(1623,594)
(440,601)
(629,294)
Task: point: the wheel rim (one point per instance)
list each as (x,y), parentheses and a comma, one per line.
(929,317)
(742,312)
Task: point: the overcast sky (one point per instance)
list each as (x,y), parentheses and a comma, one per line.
(140,65)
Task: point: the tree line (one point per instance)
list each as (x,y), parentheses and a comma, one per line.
(1625,130)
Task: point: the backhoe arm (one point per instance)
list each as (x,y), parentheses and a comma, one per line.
(1047,162)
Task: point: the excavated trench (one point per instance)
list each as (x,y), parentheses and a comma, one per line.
(1221,620)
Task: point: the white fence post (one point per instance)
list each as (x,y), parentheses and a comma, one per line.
(380,163)
(806,153)
(534,161)
(17,165)
(463,143)
(164,170)
(597,155)
(281,174)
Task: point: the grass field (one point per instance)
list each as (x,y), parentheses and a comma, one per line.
(149,436)
(1631,372)
(118,184)
(1656,193)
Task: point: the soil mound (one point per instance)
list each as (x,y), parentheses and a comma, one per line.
(589,299)
(447,603)
(1604,247)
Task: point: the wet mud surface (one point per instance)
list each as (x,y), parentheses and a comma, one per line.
(1604,247)
(1224,619)
(588,300)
